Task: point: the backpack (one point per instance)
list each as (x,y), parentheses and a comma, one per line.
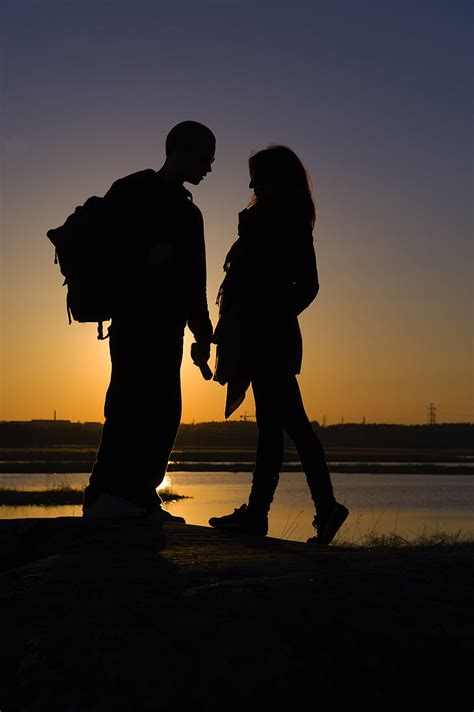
(84,250)
(101,264)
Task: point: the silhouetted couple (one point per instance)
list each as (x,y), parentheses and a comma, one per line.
(271,277)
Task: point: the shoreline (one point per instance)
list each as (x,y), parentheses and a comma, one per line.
(370,468)
(212,459)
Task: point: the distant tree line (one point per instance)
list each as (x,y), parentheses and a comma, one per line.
(235,434)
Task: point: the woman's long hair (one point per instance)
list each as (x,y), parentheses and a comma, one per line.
(280,167)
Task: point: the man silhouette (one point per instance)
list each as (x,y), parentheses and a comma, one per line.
(164,289)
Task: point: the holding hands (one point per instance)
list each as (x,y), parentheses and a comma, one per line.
(200,352)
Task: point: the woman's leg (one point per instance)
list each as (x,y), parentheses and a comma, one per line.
(310,451)
(279,407)
(269,455)
(330,514)
(253,518)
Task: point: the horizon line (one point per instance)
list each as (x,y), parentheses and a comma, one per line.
(241,420)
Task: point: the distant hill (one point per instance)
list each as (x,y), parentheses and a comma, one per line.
(235,434)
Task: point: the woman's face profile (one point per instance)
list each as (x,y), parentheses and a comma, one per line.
(262,189)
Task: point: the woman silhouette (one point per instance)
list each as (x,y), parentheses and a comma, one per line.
(271,277)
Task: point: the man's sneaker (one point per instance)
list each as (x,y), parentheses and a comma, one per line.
(328,525)
(159,514)
(110,506)
(242,521)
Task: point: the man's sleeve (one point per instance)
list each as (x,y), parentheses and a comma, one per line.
(198,313)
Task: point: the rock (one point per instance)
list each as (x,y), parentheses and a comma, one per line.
(127,616)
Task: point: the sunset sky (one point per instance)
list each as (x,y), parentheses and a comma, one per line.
(375,97)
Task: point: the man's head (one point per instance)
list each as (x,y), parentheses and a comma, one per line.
(190,148)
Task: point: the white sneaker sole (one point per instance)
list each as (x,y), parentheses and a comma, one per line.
(109,506)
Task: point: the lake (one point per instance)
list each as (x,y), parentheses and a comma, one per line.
(407,505)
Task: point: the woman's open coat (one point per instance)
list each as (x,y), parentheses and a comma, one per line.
(271,277)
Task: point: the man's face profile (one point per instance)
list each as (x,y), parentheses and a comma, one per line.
(197,161)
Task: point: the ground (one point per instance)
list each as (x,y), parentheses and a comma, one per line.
(128,616)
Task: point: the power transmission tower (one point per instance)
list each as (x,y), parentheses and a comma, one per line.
(432,414)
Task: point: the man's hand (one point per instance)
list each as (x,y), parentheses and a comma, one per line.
(200,353)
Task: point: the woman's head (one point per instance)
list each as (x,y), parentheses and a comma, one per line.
(277,174)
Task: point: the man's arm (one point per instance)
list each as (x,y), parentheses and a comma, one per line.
(197,311)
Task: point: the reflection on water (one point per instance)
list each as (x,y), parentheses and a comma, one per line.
(408,505)
(40,512)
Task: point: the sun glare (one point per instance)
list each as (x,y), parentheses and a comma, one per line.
(166,483)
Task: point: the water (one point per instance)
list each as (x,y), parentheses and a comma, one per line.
(408,505)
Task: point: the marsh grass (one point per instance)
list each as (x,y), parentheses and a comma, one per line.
(352,537)
(291,524)
(425,540)
(60,493)
(167,494)
(427,537)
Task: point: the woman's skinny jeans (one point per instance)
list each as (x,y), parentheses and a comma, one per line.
(279,408)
